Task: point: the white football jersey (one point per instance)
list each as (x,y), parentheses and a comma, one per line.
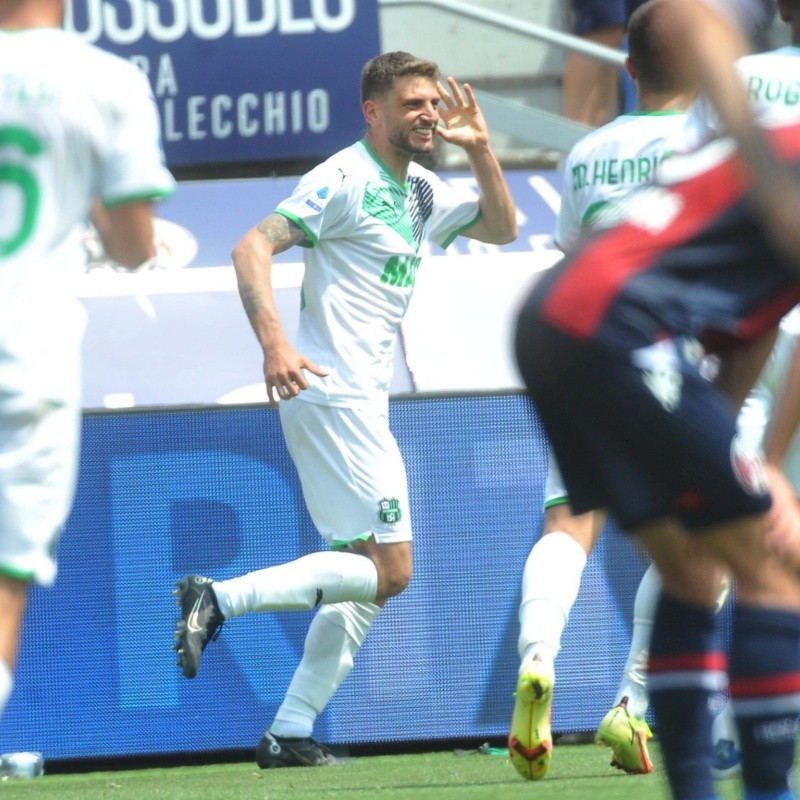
(75,123)
(773,86)
(363,235)
(606,165)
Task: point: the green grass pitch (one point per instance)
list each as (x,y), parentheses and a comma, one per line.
(579,772)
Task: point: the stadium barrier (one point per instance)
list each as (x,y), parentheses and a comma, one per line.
(165,492)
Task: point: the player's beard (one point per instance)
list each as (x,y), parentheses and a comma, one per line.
(403,141)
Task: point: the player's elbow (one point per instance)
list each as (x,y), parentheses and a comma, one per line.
(247,247)
(238,251)
(509,235)
(504,233)
(494,232)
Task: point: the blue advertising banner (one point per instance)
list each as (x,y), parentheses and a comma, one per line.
(243,81)
(166,493)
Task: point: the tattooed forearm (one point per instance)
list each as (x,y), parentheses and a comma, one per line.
(252,260)
(251,299)
(280,232)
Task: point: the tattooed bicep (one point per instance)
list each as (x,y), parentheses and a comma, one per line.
(280,232)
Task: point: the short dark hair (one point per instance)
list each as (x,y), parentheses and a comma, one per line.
(379,74)
(656,63)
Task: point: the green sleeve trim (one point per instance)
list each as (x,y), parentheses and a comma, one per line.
(451,238)
(310,240)
(143,197)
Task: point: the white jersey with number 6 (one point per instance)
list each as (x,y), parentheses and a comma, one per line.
(75,123)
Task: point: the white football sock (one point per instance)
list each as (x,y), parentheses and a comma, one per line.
(634,677)
(315,579)
(6,684)
(334,637)
(550,583)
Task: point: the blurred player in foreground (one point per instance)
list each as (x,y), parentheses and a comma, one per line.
(771,79)
(769,414)
(77,125)
(602,169)
(553,572)
(707,256)
(362,217)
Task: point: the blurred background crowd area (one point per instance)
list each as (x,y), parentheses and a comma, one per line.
(521,52)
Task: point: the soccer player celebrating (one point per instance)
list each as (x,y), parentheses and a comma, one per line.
(362,217)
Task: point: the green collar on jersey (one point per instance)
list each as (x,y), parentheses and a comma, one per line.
(384,169)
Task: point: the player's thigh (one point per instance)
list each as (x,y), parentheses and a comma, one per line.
(687,569)
(39,443)
(585,529)
(393,561)
(352,473)
(764,574)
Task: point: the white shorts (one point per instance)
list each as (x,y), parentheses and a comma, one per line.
(353,477)
(39,444)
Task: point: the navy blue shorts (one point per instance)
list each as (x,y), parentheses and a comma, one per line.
(591,15)
(641,433)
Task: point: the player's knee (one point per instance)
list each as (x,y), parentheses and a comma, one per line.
(393,581)
(393,562)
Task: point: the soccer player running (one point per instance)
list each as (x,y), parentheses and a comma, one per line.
(362,217)
(602,169)
(707,256)
(78,126)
